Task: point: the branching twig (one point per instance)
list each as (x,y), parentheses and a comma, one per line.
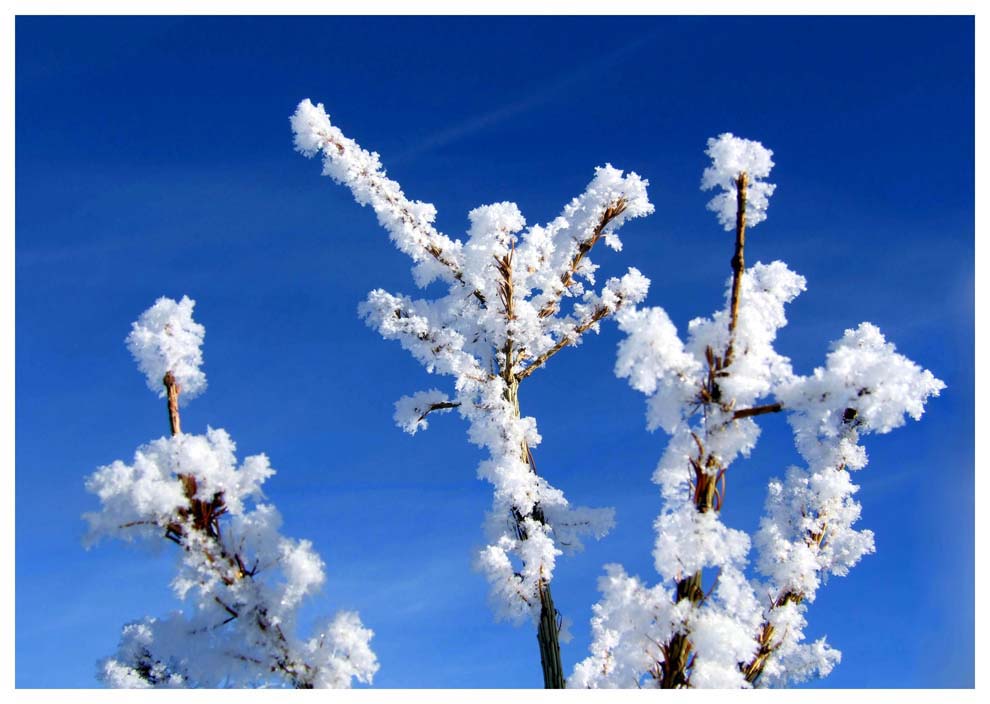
(204,515)
(599,313)
(613,211)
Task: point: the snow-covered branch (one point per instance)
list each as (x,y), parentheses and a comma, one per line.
(807,531)
(409,223)
(245,580)
(522,276)
(630,289)
(706,393)
(411,411)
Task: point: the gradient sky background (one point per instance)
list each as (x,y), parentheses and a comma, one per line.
(154,158)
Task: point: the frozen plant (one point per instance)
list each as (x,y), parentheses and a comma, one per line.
(708,624)
(515,297)
(166,339)
(244,580)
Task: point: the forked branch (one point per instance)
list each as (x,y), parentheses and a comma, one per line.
(585,325)
(612,211)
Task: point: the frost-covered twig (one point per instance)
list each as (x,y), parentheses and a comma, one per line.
(245,579)
(517,319)
(807,531)
(409,223)
(611,212)
(588,321)
(706,393)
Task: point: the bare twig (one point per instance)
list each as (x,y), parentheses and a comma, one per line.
(738,263)
(172,390)
(442,405)
(757,411)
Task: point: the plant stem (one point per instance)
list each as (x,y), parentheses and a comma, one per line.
(614,209)
(548,636)
(757,411)
(205,515)
(172,390)
(548,632)
(738,263)
(754,668)
(677,651)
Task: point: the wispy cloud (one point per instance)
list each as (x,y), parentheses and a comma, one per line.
(544,94)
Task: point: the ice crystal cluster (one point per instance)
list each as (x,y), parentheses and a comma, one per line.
(243,580)
(167,339)
(731,156)
(515,296)
(707,623)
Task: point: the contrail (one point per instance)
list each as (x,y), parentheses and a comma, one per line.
(485,120)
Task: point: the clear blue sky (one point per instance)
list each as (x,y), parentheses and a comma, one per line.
(154,158)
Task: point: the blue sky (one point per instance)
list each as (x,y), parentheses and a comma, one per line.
(154,158)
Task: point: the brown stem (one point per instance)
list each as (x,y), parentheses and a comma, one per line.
(707,469)
(757,411)
(442,405)
(548,629)
(611,212)
(673,669)
(813,539)
(754,668)
(580,329)
(203,513)
(677,651)
(738,262)
(673,672)
(548,636)
(507,296)
(172,390)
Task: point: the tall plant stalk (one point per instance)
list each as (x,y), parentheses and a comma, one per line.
(709,474)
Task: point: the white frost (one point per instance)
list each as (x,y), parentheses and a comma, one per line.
(732,156)
(166,339)
(244,581)
(694,390)
(488,331)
